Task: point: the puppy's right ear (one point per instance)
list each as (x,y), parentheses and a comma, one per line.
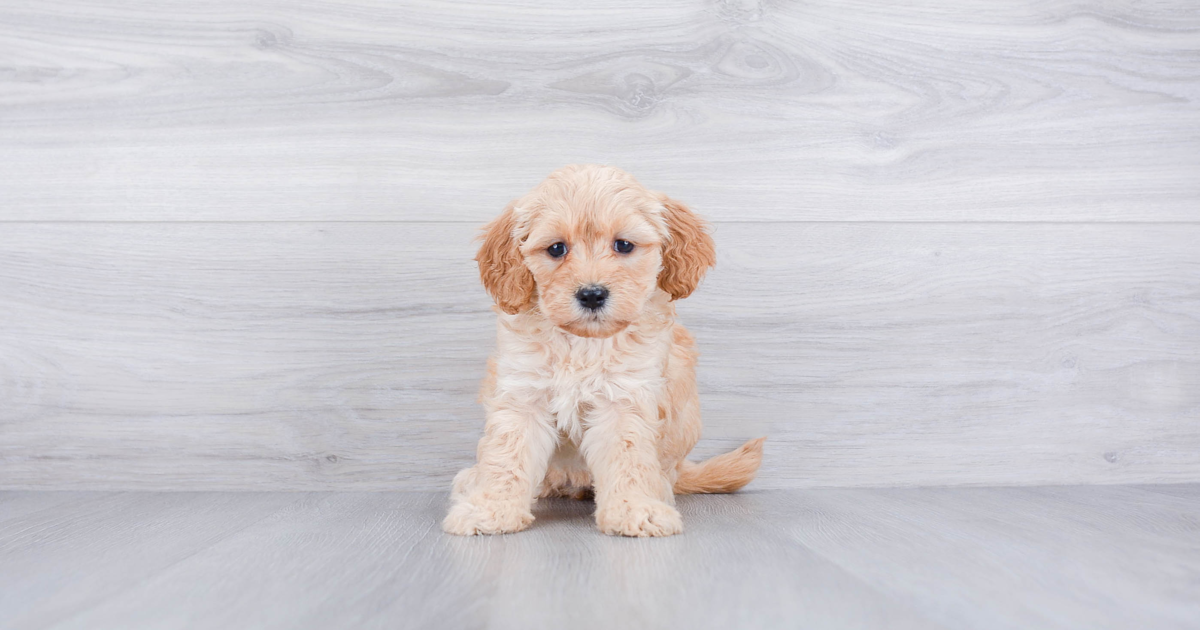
(501,266)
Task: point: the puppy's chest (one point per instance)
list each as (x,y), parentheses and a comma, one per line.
(586,367)
(574,375)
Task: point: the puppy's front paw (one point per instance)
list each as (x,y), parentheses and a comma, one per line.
(645,517)
(468,519)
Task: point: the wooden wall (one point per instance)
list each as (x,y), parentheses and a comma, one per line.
(959,241)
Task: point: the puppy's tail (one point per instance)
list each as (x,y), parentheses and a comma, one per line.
(723,473)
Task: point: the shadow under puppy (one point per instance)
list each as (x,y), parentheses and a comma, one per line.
(592,387)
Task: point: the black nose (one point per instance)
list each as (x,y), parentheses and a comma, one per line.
(591,296)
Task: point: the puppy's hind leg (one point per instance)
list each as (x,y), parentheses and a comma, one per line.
(568,476)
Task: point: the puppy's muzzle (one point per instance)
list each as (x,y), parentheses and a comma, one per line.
(591,296)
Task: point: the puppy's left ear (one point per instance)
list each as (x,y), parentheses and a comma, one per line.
(688,251)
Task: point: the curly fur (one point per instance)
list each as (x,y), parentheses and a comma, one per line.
(582,403)
(501,267)
(688,252)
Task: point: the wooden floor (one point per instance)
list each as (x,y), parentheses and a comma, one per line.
(1048,557)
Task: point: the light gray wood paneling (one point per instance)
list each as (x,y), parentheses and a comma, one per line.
(830,110)
(970,558)
(288,350)
(344,355)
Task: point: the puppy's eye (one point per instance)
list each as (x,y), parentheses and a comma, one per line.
(623,247)
(557,250)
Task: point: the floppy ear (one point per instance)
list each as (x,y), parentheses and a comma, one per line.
(688,251)
(501,266)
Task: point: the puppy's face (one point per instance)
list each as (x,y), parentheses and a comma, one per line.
(588,248)
(595,263)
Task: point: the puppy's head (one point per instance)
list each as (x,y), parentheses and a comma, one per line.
(588,247)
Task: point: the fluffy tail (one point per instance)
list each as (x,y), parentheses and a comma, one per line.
(723,473)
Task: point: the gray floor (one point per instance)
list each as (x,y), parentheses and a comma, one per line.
(1049,557)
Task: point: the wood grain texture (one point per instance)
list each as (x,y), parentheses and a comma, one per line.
(80,553)
(1073,557)
(344,355)
(235,237)
(14,505)
(829,110)
(970,558)
(380,561)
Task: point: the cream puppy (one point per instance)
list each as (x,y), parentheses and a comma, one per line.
(592,387)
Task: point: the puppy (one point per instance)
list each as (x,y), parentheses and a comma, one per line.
(592,387)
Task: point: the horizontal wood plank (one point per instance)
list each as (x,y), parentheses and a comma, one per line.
(70,557)
(345,355)
(379,560)
(751,111)
(17,505)
(1060,557)
(1111,557)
